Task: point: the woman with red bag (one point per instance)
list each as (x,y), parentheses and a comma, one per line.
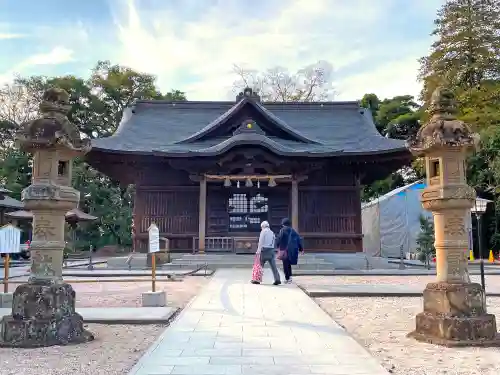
(265,253)
(289,244)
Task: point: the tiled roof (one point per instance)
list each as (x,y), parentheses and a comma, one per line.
(9,202)
(180,129)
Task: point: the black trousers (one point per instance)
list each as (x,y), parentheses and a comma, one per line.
(287,269)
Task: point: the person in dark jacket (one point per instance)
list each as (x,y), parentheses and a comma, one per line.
(289,240)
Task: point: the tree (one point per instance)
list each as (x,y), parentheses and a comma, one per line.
(425,241)
(397,117)
(466,57)
(483,173)
(371,102)
(97,106)
(466,51)
(480,106)
(175,96)
(18,104)
(277,84)
(15,170)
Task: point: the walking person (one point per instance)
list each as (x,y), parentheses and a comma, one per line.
(289,245)
(266,253)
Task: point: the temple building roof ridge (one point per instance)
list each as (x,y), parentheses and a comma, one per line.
(183,128)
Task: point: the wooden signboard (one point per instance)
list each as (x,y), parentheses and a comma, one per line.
(154,238)
(10,243)
(154,247)
(10,239)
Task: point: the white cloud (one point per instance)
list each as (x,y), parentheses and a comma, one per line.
(192,46)
(301,33)
(58,55)
(393,78)
(10,36)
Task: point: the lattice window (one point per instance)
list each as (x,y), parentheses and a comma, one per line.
(238,203)
(258,203)
(247,211)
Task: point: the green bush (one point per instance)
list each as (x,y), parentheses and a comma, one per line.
(425,241)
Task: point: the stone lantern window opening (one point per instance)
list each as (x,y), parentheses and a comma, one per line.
(435,168)
(62,168)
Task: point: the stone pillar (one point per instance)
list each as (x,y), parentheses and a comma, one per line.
(202,221)
(295,204)
(43,310)
(454,308)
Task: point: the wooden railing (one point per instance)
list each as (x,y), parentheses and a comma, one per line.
(215,244)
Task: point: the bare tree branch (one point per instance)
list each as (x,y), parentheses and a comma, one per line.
(17,106)
(311,83)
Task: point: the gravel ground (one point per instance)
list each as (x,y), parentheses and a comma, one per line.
(129,294)
(492,281)
(116,348)
(381,325)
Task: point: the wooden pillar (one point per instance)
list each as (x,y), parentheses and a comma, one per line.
(295,204)
(203,215)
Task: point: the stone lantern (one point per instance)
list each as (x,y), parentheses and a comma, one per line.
(454,308)
(43,309)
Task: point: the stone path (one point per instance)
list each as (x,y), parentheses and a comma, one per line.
(233,327)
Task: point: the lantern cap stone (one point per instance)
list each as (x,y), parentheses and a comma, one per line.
(52,129)
(443,130)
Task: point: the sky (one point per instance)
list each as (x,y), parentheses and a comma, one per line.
(193,45)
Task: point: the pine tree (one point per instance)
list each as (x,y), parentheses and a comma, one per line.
(425,241)
(467,49)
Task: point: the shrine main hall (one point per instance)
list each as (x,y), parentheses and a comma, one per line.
(209,172)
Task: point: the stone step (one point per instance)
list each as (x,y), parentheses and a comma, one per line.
(237,258)
(223,264)
(180,266)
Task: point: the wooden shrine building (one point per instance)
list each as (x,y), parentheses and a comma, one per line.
(208,173)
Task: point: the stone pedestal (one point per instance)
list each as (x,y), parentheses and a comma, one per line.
(455,315)
(154,299)
(43,315)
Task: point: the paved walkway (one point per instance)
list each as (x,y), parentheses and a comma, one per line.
(234,327)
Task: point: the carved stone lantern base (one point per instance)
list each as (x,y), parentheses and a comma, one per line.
(43,315)
(455,316)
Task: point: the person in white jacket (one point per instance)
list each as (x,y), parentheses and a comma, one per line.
(267,251)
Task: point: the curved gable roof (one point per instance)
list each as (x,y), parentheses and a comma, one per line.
(179,129)
(221,120)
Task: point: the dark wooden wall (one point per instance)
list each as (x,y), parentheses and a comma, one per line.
(330,211)
(217,210)
(170,199)
(329,208)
